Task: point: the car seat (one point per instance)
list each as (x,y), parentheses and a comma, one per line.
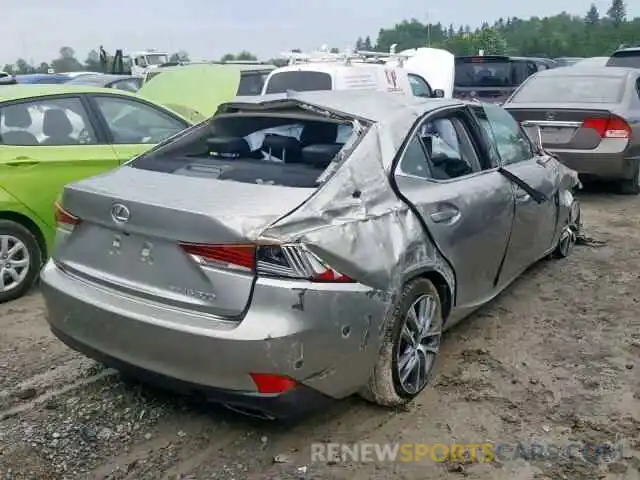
(228,147)
(287,149)
(57,128)
(316,133)
(320,155)
(17,116)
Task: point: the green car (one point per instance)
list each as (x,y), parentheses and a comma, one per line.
(52,135)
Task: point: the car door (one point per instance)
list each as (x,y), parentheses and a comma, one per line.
(134,126)
(47,143)
(536,220)
(465,203)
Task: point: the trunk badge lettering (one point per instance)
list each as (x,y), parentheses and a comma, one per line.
(145,254)
(120,213)
(115,245)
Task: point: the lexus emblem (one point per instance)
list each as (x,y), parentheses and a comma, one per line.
(550,116)
(120,213)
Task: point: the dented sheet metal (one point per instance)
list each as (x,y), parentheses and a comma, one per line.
(356,221)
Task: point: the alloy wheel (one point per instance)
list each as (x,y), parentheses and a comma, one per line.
(14,262)
(419,344)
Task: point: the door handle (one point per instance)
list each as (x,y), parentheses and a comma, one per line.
(445,215)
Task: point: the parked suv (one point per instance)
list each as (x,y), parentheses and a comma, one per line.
(625,57)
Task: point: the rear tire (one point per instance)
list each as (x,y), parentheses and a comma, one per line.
(631,186)
(20,260)
(409,350)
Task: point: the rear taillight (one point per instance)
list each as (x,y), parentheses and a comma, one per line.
(612,127)
(65,219)
(284,261)
(272,384)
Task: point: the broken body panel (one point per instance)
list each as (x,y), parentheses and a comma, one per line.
(359,220)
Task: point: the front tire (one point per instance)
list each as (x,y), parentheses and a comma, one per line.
(410,346)
(20,260)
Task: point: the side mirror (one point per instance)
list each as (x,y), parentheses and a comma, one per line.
(438,93)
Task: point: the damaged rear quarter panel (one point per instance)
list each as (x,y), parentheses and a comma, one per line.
(371,236)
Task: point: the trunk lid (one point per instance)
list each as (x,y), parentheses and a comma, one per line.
(562,126)
(133,222)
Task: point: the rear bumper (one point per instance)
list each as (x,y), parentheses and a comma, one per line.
(613,166)
(288,405)
(318,336)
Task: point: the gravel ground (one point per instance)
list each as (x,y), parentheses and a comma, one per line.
(554,360)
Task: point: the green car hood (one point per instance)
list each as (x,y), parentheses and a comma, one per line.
(193,91)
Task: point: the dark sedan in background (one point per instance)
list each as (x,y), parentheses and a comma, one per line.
(492,78)
(625,57)
(589,117)
(120,82)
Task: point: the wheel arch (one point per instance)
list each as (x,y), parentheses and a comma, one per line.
(442,286)
(30,225)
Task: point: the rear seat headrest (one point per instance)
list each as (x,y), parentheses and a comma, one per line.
(277,144)
(228,146)
(321,155)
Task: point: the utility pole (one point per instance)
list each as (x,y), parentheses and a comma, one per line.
(428,30)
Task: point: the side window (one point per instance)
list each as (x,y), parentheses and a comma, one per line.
(59,121)
(511,142)
(251,83)
(133,122)
(638,88)
(419,86)
(441,150)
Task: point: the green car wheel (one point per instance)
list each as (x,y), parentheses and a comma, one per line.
(20,260)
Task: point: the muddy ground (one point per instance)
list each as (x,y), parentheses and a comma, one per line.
(554,360)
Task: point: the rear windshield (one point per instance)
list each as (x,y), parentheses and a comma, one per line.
(298,82)
(579,89)
(629,59)
(491,72)
(292,152)
(251,83)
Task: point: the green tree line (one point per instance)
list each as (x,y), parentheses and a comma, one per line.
(592,35)
(562,35)
(68,62)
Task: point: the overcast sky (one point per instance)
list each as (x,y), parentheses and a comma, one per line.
(207,29)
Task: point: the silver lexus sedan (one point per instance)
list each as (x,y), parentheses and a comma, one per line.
(299,248)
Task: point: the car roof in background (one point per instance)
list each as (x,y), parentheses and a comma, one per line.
(19,92)
(242,67)
(588,70)
(373,106)
(97,79)
(628,49)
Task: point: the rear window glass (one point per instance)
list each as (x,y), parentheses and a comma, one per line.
(299,82)
(251,83)
(283,151)
(490,72)
(630,59)
(583,89)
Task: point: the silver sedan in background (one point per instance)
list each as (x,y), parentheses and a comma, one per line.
(324,259)
(589,117)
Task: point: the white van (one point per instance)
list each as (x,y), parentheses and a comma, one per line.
(367,71)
